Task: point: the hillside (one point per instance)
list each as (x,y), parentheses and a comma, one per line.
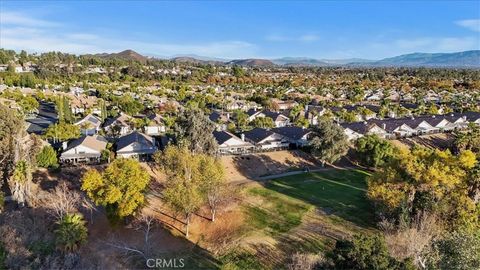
(299,61)
(252,62)
(129,55)
(459,59)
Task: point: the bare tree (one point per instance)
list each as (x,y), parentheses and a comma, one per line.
(413,241)
(62,201)
(88,205)
(143,223)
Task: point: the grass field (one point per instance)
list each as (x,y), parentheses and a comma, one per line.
(289,212)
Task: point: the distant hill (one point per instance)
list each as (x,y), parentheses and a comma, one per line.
(252,62)
(299,61)
(469,59)
(187,59)
(129,55)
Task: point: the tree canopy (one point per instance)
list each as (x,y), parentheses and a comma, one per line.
(120,188)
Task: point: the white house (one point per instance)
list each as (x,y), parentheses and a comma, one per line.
(119,125)
(229,144)
(89,125)
(136,145)
(156,125)
(86,149)
(265,140)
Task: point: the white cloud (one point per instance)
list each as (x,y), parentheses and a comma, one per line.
(21,19)
(22,32)
(283,38)
(472,24)
(309,38)
(421,44)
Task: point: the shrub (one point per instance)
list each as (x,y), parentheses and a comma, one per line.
(47,158)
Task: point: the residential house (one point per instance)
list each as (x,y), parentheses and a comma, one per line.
(89,125)
(119,125)
(296,135)
(136,145)
(156,125)
(265,140)
(220,119)
(86,149)
(229,144)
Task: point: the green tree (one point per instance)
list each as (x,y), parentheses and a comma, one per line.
(71,232)
(47,158)
(195,130)
(329,143)
(458,250)
(363,252)
(263,122)
(241,119)
(374,151)
(120,188)
(62,132)
(182,190)
(212,182)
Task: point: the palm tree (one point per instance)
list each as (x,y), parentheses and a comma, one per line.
(71,232)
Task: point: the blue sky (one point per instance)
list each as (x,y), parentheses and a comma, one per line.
(242,29)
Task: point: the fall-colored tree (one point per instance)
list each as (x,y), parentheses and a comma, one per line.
(120,188)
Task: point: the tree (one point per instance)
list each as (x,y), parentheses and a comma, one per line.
(329,143)
(47,158)
(212,182)
(195,130)
(11,125)
(363,252)
(263,122)
(468,139)
(238,71)
(120,188)
(62,132)
(374,151)
(182,190)
(241,119)
(458,250)
(426,180)
(21,182)
(71,232)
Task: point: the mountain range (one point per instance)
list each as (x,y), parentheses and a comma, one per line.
(466,59)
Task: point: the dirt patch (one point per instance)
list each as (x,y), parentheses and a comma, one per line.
(440,141)
(255,165)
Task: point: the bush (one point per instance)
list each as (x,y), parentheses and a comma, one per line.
(365,252)
(47,158)
(71,232)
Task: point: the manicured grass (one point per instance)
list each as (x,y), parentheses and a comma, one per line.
(279,207)
(337,192)
(278,215)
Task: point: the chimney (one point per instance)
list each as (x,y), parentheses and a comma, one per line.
(242,136)
(306,108)
(384,126)
(64,145)
(228,116)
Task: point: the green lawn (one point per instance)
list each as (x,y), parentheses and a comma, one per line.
(341,193)
(281,205)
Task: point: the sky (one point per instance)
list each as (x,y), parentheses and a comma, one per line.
(242,29)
